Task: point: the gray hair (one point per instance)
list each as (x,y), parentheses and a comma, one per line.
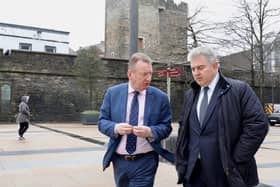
(137,57)
(208,53)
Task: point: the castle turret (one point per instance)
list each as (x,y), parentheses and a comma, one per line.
(162,30)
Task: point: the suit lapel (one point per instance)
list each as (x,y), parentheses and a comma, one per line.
(123,102)
(148,104)
(212,104)
(196,128)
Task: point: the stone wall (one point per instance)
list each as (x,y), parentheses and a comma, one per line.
(55,93)
(148,16)
(117,28)
(48,79)
(162,28)
(173,31)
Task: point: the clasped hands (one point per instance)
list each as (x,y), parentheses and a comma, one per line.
(141,131)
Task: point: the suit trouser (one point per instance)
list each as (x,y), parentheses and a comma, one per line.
(199,177)
(23,128)
(135,173)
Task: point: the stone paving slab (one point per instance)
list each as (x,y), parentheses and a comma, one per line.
(55,159)
(50,159)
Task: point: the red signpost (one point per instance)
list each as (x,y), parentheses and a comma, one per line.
(171,72)
(168,73)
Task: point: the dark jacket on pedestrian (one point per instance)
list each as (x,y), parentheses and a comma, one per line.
(242,126)
(24,112)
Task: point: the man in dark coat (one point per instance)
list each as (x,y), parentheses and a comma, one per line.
(222,125)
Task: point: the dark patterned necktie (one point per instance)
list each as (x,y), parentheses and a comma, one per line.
(203,105)
(133,120)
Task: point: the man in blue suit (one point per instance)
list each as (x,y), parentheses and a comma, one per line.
(221,128)
(136,117)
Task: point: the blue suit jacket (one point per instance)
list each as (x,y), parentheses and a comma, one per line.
(157,115)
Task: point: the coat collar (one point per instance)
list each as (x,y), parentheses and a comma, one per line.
(224,84)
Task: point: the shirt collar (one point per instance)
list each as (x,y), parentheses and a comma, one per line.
(213,83)
(131,90)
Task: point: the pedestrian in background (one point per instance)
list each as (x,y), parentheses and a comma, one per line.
(23,117)
(136,117)
(221,128)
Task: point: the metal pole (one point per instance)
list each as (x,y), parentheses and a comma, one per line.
(133,23)
(168,82)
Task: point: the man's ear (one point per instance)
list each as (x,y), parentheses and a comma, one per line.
(129,74)
(216,65)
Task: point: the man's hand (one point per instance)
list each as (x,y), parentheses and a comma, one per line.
(142,131)
(123,129)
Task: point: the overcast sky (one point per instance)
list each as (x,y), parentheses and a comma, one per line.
(85,19)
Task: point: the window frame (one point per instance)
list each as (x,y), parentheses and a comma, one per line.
(50,47)
(29,45)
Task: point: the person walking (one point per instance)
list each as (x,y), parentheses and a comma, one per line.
(23,117)
(222,126)
(136,117)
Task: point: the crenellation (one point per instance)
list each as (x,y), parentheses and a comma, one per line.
(183,7)
(171,5)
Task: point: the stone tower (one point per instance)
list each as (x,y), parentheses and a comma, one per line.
(162,30)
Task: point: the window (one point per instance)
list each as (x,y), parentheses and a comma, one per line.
(50,49)
(140,43)
(25,46)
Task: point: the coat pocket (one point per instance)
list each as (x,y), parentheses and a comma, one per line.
(235,179)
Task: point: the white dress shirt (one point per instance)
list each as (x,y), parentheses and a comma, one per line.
(142,146)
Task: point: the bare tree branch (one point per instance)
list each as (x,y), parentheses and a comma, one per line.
(252,30)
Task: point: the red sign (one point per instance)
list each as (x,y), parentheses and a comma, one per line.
(173,72)
(161,73)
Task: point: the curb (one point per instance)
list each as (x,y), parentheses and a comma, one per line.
(91,140)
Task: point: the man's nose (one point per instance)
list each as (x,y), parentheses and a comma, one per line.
(149,77)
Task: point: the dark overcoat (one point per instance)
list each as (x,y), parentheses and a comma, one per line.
(242,127)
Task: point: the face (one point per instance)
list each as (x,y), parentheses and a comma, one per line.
(203,72)
(141,76)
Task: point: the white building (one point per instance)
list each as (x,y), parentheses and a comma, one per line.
(29,38)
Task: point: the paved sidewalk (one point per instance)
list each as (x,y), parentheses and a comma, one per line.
(70,155)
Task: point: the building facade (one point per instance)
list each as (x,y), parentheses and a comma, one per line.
(162,32)
(272,63)
(29,38)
